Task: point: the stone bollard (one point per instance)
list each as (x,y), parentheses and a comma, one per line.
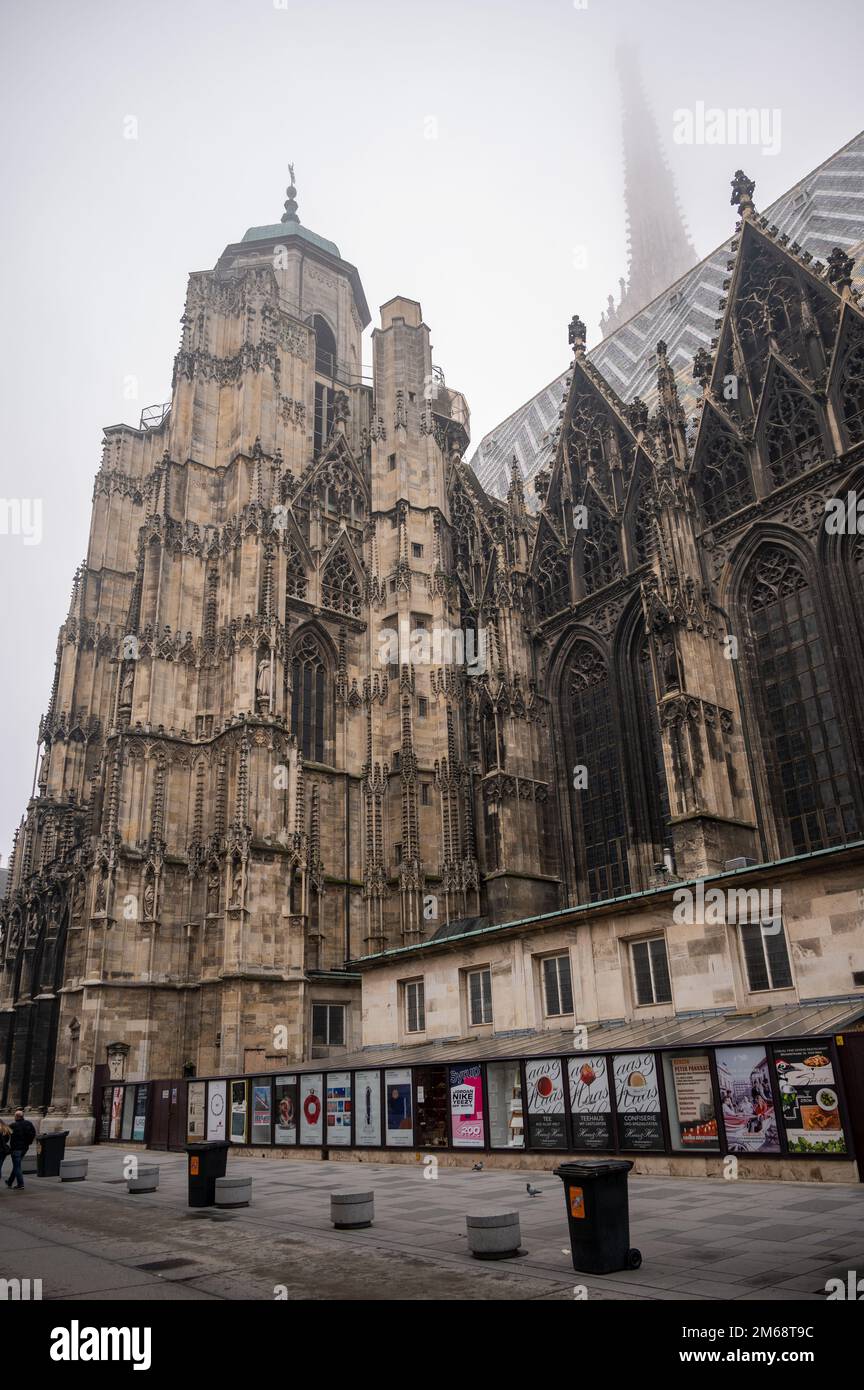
(352,1211)
(233,1192)
(29,1163)
(73,1169)
(494,1235)
(147,1179)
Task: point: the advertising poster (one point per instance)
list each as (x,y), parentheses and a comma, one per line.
(261,1111)
(105,1118)
(285,1106)
(367,1116)
(116,1111)
(745,1095)
(546,1126)
(466,1107)
(590,1103)
(195,1120)
(139,1123)
(216,1109)
(311,1109)
(238,1112)
(339,1107)
(809,1103)
(692,1121)
(128,1113)
(400,1123)
(637,1093)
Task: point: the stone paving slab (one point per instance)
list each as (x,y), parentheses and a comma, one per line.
(702,1239)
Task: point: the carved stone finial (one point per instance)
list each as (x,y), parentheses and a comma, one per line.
(577,335)
(839,269)
(290,213)
(702,364)
(742,192)
(637,414)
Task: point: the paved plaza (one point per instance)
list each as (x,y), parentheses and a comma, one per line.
(700,1239)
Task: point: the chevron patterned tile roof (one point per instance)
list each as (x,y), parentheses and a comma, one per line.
(823,210)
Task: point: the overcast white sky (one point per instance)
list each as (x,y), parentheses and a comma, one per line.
(479,224)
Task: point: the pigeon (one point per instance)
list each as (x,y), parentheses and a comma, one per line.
(478,1168)
(533,1191)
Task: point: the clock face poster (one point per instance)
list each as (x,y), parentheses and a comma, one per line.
(216,1108)
(238,1112)
(637,1094)
(400,1122)
(367,1109)
(312,1108)
(590,1103)
(285,1108)
(546,1126)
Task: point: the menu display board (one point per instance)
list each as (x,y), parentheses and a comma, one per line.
(311,1108)
(217,1093)
(139,1123)
(285,1107)
(400,1123)
(261,1110)
(692,1121)
(590,1103)
(809,1103)
(196,1118)
(466,1106)
(239,1091)
(367,1113)
(637,1094)
(748,1103)
(546,1125)
(339,1107)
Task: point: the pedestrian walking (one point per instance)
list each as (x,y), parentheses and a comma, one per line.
(5,1136)
(22,1134)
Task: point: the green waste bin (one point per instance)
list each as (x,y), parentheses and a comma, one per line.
(206,1162)
(597,1215)
(49,1153)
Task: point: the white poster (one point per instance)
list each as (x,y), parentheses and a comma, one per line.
(218,1091)
(195,1119)
(312,1108)
(400,1119)
(367,1108)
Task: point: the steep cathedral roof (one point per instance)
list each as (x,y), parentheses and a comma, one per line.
(823,210)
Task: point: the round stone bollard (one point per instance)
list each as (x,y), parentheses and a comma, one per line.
(73,1169)
(146,1180)
(494,1235)
(233,1192)
(352,1211)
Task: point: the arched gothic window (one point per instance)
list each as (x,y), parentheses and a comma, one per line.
(597,803)
(793,441)
(309,676)
(552,577)
(802,729)
(325,347)
(339,587)
(601,562)
(724,476)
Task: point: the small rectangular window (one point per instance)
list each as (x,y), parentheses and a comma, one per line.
(328,1025)
(397,850)
(480,996)
(423,710)
(424,793)
(391,462)
(766,958)
(415,1006)
(557,985)
(416,550)
(651,971)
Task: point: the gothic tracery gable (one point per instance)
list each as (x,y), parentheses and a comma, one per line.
(550,571)
(599,551)
(788,427)
(847,375)
(720,470)
(341,588)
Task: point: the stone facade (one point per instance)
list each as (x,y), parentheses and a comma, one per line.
(265,756)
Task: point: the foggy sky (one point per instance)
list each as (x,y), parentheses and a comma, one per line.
(480,224)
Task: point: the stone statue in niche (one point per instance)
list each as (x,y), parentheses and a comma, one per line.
(236,884)
(149,898)
(101,893)
(262,683)
(213,892)
(126,685)
(78,899)
(668,661)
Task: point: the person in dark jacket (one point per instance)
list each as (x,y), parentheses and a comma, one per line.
(5,1136)
(22,1136)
